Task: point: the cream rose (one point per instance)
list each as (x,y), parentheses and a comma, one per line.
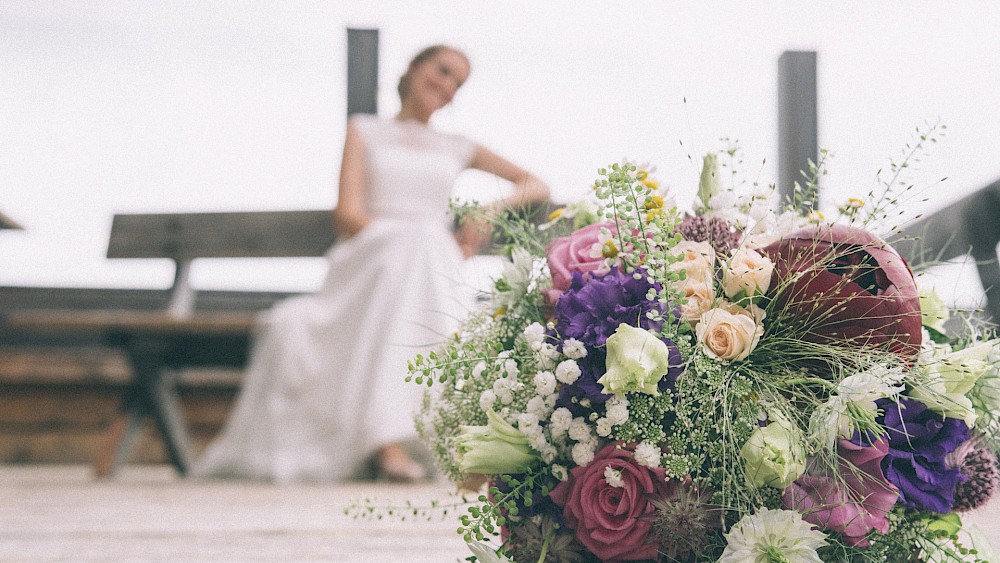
(697,260)
(747,274)
(728,336)
(700,297)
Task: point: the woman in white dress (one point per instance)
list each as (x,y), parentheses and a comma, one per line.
(324,392)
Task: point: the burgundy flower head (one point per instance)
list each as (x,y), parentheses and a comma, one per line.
(613,522)
(840,284)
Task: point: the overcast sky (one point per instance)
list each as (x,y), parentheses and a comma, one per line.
(157,106)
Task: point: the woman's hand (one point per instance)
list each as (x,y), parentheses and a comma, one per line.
(474,234)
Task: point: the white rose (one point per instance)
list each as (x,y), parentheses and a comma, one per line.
(603,427)
(574,349)
(545,382)
(728,336)
(583,453)
(747,273)
(647,454)
(568,371)
(579,430)
(560,422)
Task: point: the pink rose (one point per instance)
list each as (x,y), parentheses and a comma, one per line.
(853,504)
(612,520)
(581,251)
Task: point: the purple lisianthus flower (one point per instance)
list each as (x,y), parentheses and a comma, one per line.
(590,311)
(919,443)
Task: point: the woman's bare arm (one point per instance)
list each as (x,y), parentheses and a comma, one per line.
(527,188)
(351,214)
(473,235)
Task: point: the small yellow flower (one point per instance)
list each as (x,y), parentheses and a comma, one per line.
(641,175)
(654,202)
(556,214)
(609,250)
(852,206)
(651,184)
(501,311)
(653,215)
(816,216)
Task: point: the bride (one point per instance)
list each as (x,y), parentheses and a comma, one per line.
(324,391)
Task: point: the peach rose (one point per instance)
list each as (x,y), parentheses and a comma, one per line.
(746,274)
(700,297)
(697,260)
(728,336)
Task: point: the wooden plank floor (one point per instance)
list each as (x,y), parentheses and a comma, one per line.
(59,513)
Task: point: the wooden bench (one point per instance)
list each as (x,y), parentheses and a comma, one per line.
(158,343)
(969,226)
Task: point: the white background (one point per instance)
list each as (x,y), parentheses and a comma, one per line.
(157,106)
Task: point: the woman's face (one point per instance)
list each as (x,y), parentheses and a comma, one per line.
(433,83)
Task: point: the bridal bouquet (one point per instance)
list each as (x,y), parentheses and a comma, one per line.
(724,383)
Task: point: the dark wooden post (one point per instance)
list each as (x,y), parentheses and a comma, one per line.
(797,122)
(362,71)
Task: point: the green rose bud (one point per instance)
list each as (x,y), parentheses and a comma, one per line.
(494,449)
(710,183)
(933,310)
(949,379)
(636,361)
(774,454)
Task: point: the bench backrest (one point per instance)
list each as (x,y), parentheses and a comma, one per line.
(184,237)
(970,226)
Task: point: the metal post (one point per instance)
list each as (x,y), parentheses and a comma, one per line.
(797,123)
(362,71)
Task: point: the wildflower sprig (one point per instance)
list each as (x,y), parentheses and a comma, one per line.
(646,230)
(484,519)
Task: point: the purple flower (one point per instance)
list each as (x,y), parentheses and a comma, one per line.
(854,504)
(919,442)
(590,311)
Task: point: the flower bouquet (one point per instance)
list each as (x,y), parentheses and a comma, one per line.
(727,383)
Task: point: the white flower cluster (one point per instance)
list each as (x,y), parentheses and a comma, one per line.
(856,396)
(616,412)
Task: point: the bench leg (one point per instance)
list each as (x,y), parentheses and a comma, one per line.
(153,393)
(170,420)
(118,440)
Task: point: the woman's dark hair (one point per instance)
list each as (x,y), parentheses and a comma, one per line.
(425,54)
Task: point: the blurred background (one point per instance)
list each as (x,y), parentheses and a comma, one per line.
(133,107)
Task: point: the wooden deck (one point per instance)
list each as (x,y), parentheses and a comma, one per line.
(60,513)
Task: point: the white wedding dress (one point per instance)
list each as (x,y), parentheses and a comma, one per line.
(325,386)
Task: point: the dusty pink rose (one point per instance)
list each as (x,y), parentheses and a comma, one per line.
(854,504)
(839,284)
(613,522)
(578,252)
